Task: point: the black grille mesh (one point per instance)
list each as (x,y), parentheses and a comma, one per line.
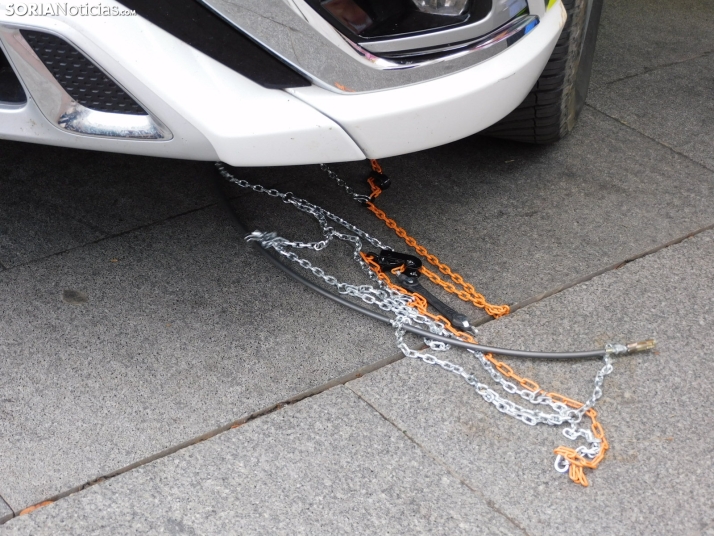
(10,88)
(79,77)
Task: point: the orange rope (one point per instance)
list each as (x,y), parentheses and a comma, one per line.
(577,463)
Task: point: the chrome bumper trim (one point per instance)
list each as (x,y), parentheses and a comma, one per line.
(510,33)
(61,109)
(82,120)
(502,11)
(297,34)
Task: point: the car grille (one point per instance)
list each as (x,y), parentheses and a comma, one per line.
(81,79)
(10,88)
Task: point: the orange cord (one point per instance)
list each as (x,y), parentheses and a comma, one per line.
(577,463)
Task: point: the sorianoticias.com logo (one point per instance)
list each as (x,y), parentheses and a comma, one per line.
(59,9)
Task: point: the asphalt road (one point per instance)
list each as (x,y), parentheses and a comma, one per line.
(135,322)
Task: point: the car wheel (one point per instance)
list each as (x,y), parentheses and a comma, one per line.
(552,107)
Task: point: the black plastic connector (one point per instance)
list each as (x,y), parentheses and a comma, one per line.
(380,180)
(388,260)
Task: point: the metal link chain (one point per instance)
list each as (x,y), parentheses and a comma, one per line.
(319,213)
(389,300)
(361,198)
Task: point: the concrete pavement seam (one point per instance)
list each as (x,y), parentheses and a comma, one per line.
(8,517)
(615,266)
(658,67)
(115,235)
(108,237)
(658,142)
(490,503)
(233,196)
(627,260)
(340,380)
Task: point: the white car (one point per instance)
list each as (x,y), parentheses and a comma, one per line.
(284,82)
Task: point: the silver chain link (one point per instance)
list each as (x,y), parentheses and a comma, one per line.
(319,213)
(340,182)
(389,300)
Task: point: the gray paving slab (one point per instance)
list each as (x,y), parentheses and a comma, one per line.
(673,105)
(327,465)
(53,199)
(656,478)
(181,328)
(637,36)
(519,221)
(28,230)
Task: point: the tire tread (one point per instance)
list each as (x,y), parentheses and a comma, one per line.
(540,117)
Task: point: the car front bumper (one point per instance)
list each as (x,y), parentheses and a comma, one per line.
(211,112)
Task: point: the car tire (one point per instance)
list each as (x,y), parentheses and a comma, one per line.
(552,107)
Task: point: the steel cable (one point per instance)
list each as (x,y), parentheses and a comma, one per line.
(589,354)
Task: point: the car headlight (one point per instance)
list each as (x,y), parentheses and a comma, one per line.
(442,7)
(379,19)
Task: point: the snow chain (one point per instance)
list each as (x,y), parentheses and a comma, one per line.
(411,308)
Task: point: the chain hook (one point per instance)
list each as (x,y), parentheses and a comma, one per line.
(561,464)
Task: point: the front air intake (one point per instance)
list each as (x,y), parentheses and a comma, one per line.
(79,77)
(11,91)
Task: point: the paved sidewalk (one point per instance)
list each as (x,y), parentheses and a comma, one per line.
(419,451)
(136,322)
(328,465)
(657,476)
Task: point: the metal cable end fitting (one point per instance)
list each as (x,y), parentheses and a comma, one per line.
(641,346)
(612,349)
(630,347)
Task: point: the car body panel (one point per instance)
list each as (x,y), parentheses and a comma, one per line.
(192,94)
(412,118)
(214,113)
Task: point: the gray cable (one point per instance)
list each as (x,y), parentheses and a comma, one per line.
(417,331)
(423,333)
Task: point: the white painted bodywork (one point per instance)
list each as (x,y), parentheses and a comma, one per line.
(215,113)
(404,120)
